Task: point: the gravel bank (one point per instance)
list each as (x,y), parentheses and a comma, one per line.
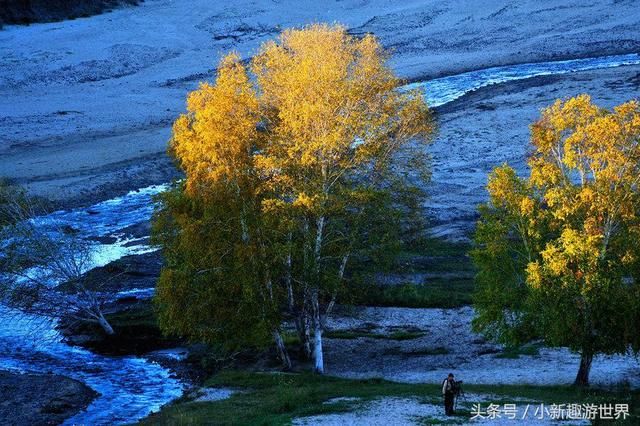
(449,345)
(39,399)
(88,104)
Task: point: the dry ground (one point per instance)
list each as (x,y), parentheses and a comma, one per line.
(87,104)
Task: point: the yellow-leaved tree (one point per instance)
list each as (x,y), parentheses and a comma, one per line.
(291,165)
(557,253)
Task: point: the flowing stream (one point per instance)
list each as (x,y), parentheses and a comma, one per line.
(440,91)
(132,387)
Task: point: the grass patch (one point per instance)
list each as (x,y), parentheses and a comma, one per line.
(440,247)
(141,315)
(460,418)
(435,255)
(356,334)
(405,335)
(516,351)
(440,350)
(439,293)
(278,398)
(291,339)
(275,399)
(447,265)
(137,331)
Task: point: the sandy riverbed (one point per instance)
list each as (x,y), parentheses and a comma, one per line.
(87,104)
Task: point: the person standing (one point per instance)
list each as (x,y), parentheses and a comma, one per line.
(448,391)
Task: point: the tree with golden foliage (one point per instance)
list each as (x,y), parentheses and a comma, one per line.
(288,181)
(557,253)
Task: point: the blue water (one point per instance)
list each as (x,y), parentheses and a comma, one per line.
(108,217)
(132,387)
(443,90)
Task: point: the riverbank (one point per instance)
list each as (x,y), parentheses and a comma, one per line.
(463,153)
(385,366)
(442,340)
(416,347)
(88,117)
(308,399)
(39,399)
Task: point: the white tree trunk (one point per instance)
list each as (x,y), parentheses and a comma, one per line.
(317,348)
(315,303)
(105,325)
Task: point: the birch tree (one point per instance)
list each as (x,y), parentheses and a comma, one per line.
(316,128)
(217,284)
(336,119)
(558,255)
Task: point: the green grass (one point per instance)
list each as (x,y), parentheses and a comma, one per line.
(439,350)
(405,335)
(277,398)
(291,339)
(439,293)
(460,418)
(516,352)
(450,283)
(433,255)
(133,319)
(440,247)
(274,399)
(142,315)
